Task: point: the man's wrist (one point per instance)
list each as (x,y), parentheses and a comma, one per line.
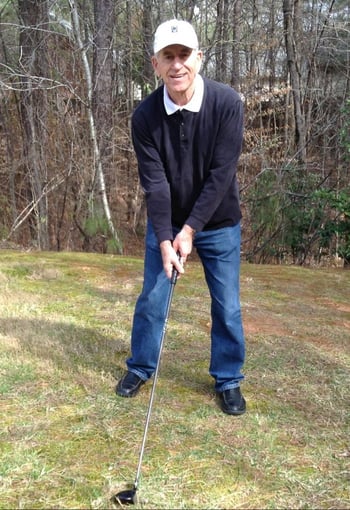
(188,229)
(165,243)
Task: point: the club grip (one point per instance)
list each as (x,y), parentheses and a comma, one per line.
(174,276)
(175,272)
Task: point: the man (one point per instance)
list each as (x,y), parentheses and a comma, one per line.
(187,136)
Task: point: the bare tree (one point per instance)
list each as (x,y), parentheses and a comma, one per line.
(147,31)
(92,123)
(236,44)
(292,20)
(222,30)
(102,76)
(34,108)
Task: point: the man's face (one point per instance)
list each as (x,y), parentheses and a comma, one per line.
(178,66)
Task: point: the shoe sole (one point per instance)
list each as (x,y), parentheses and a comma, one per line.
(125,396)
(233,413)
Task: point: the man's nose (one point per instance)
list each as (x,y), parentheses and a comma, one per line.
(177,62)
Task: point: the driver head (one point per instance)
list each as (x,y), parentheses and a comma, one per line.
(127,497)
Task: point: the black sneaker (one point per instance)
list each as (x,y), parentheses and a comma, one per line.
(129,385)
(232,401)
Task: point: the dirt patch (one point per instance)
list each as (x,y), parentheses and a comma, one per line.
(255,322)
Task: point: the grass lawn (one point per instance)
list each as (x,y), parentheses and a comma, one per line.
(67,441)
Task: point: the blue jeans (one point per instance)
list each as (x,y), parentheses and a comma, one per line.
(219,251)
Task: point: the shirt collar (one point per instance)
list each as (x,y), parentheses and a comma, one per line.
(194,105)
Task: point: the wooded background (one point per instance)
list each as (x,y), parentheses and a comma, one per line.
(72,72)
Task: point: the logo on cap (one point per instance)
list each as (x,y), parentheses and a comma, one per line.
(174,29)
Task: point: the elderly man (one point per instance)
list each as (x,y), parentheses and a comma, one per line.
(187,137)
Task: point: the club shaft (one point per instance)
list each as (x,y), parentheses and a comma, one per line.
(155,378)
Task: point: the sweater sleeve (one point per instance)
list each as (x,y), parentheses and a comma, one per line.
(152,178)
(223,166)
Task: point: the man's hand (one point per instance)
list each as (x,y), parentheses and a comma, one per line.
(170,259)
(183,242)
(175,254)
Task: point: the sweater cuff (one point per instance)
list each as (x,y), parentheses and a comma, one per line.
(164,235)
(197,225)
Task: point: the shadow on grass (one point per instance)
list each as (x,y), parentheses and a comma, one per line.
(66,346)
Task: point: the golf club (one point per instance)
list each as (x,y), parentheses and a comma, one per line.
(129,497)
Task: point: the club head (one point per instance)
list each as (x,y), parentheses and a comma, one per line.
(127,497)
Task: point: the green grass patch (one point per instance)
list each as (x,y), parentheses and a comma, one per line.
(67,441)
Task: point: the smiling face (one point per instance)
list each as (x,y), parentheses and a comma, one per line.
(178,66)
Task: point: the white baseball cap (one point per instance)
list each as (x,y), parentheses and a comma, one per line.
(175,32)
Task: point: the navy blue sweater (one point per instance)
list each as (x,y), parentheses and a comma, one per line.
(187,161)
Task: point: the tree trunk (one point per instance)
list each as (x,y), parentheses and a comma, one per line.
(102,78)
(148,73)
(221,40)
(33,62)
(237,21)
(272,50)
(98,168)
(292,19)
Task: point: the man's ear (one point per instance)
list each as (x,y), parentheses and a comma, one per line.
(154,62)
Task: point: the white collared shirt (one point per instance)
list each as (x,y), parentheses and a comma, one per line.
(194,105)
